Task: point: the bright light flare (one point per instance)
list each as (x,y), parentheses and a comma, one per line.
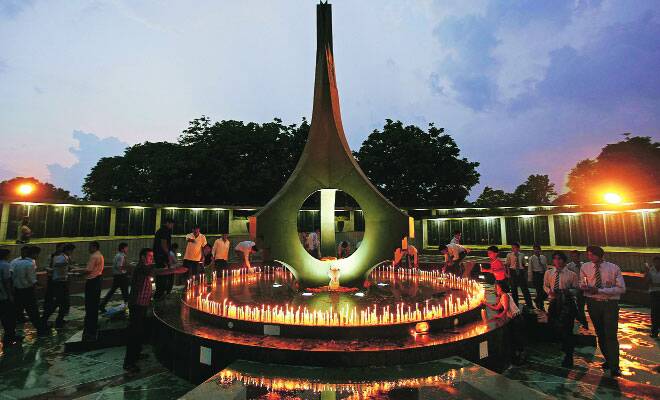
(25,189)
(612,198)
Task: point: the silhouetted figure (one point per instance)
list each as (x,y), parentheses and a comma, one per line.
(59,283)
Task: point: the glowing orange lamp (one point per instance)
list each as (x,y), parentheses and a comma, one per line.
(422,328)
(612,198)
(25,189)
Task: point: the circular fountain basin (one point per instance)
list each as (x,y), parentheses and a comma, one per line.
(392,303)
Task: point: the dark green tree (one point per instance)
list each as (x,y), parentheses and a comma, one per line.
(536,190)
(42,191)
(413,167)
(227,162)
(629,167)
(494,198)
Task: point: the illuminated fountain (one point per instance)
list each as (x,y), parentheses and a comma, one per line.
(349,312)
(394,301)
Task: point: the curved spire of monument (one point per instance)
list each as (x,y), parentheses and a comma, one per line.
(327,164)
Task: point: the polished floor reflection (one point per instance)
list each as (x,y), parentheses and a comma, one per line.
(40,370)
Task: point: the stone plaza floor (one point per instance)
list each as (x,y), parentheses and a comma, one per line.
(41,370)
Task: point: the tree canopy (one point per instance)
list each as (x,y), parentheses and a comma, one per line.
(536,190)
(629,168)
(413,167)
(233,163)
(227,162)
(40,191)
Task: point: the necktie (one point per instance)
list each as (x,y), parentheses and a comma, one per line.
(599,280)
(556,286)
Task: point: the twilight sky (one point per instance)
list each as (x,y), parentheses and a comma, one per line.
(523,86)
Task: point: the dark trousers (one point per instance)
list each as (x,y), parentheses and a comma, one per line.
(537,278)
(518,279)
(221,264)
(59,299)
(118,282)
(562,324)
(193,267)
(92,302)
(580,301)
(605,317)
(136,333)
(655,312)
(8,319)
(26,300)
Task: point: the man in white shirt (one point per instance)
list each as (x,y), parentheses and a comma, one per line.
(454,253)
(221,252)
(561,285)
(244,249)
(456,239)
(24,279)
(193,257)
(515,261)
(603,285)
(537,266)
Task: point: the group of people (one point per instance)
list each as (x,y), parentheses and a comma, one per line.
(311,241)
(567,286)
(19,283)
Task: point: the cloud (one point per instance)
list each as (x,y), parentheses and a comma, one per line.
(90,149)
(6,173)
(11,8)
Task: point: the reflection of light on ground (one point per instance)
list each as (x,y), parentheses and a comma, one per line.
(363,390)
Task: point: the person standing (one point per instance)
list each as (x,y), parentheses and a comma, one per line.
(343,250)
(221,252)
(538,264)
(561,284)
(161,248)
(193,257)
(652,277)
(603,285)
(49,296)
(60,287)
(575,265)
(314,244)
(24,280)
(500,273)
(24,233)
(94,276)
(515,262)
(119,276)
(7,310)
(138,303)
(244,249)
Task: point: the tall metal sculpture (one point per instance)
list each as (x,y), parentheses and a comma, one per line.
(327,164)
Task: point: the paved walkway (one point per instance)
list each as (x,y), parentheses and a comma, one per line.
(40,369)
